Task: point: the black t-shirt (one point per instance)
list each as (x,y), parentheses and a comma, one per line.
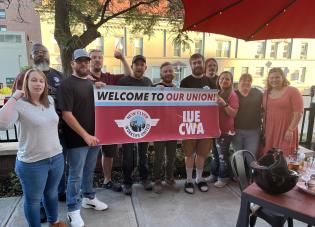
(54,79)
(214,80)
(193,82)
(130,81)
(76,95)
(249,111)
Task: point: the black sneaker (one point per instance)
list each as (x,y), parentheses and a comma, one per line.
(147,185)
(43,217)
(127,189)
(189,188)
(116,187)
(108,185)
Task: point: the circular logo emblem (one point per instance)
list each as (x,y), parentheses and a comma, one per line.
(137,124)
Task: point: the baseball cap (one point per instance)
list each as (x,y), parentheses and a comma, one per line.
(80,53)
(139,57)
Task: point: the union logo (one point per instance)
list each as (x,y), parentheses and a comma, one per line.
(137,123)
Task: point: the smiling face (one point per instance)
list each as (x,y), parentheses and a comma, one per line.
(138,68)
(81,66)
(225,81)
(197,66)
(275,80)
(211,68)
(167,74)
(35,84)
(245,84)
(96,61)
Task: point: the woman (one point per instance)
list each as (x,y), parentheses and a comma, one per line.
(248,118)
(228,107)
(211,69)
(39,163)
(283,107)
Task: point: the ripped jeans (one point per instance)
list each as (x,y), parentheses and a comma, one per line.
(220,164)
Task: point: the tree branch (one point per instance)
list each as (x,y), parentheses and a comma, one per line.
(104,8)
(103,20)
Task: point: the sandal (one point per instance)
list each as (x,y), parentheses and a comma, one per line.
(189,188)
(203,186)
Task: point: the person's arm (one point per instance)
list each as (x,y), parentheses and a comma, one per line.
(229,110)
(68,117)
(8,114)
(293,125)
(127,68)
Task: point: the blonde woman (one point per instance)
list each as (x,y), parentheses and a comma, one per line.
(283,108)
(39,163)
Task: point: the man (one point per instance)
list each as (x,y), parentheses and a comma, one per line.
(76,101)
(200,146)
(138,67)
(167,76)
(211,69)
(108,151)
(40,58)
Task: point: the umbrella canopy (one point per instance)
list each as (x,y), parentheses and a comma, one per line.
(252,19)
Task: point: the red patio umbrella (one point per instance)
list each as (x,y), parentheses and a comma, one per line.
(252,19)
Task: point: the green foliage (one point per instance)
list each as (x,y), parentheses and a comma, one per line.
(15,186)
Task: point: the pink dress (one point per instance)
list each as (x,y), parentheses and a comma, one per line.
(279,115)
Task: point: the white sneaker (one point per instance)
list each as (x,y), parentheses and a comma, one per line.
(75,219)
(94,204)
(211,178)
(220,184)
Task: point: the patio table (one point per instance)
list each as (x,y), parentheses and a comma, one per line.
(295,204)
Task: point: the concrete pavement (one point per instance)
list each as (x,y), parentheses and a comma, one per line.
(215,208)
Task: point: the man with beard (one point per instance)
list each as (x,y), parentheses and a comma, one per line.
(167,76)
(40,58)
(138,67)
(211,69)
(76,101)
(200,146)
(108,151)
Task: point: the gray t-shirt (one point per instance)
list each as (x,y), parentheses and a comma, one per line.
(37,129)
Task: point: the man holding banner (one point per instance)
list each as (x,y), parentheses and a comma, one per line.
(138,67)
(200,146)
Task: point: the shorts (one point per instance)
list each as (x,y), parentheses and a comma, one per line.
(201,147)
(109,151)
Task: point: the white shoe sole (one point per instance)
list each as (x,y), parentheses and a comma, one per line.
(90,206)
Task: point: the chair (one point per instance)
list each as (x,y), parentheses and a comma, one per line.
(240,163)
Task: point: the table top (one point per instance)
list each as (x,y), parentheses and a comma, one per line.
(295,199)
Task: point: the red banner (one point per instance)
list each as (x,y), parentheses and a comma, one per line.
(146,114)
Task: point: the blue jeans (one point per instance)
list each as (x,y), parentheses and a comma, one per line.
(220,164)
(40,180)
(247,139)
(81,162)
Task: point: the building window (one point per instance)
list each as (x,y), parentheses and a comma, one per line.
(198,47)
(3,28)
(274,49)
(177,49)
(155,74)
(9,81)
(261,50)
(120,44)
(179,73)
(304,47)
(244,70)
(100,44)
(10,38)
(287,50)
(138,42)
(2,14)
(223,49)
(298,75)
(229,69)
(259,72)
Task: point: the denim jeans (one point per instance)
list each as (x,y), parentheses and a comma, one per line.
(159,154)
(220,164)
(81,162)
(247,139)
(128,161)
(40,180)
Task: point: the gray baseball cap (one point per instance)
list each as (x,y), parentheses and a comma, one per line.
(80,53)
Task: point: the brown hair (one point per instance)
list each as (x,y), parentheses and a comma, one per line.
(246,76)
(280,71)
(211,59)
(94,50)
(43,99)
(196,56)
(225,93)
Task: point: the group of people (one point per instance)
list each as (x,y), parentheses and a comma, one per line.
(56,121)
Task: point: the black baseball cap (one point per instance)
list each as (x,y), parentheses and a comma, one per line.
(139,57)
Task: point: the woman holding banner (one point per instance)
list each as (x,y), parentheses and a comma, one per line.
(39,165)
(228,106)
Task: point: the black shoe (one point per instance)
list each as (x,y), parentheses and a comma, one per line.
(147,185)
(127,189)
(43,217)
(62,197)
(108,185)
(116,187)
(189,188)
(203,186)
